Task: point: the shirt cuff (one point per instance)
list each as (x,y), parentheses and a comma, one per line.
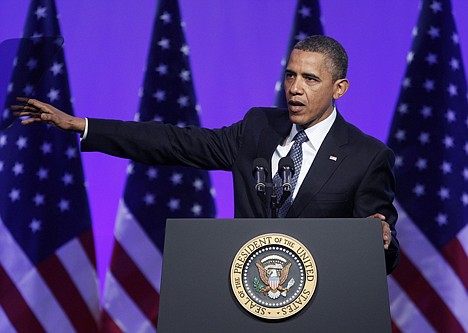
(85,133)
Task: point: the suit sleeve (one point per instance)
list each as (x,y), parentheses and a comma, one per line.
(165,144)
(375,194)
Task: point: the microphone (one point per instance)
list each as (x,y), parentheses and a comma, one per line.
(286,172)
(260,171)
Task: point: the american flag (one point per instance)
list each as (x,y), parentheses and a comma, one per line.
(429,135)
(48,277)
(307,22)
(154,193)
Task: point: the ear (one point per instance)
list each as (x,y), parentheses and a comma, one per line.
(340,88)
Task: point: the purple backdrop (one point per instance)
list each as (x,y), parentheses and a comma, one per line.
(236,48)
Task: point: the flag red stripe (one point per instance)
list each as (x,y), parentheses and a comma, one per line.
(15,307)
(87,242)
(107,324)
(455,255)
(425,297)
(395,328)
(135,283)
(67,295)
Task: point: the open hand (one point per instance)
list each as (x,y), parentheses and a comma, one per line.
(42,112)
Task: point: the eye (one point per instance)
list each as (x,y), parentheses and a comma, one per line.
(289,75)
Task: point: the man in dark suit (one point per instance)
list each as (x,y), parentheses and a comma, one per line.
(341,171)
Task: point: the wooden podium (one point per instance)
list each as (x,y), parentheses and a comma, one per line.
(350,296)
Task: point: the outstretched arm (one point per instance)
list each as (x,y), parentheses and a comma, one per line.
(42,112)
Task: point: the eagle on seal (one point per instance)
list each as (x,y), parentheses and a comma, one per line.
(273,276)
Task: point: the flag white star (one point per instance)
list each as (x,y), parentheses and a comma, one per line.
(455,38)
(130,169)
(398,161)
(198,184)
(436,7)
(149,199)
(173,204)
(152,173)
(400,135)
(41,12)
(448,142)
(43,173)
(452,90)
(35,225)
(183,101)
(46,148)
(424,138)
(53,94)
(419,190)
(14,194)
(446,167)
(67,179)
(185,75)
(39,199)
(464,199)
(164,44)
(441,219)
(166,17)
(426,111)
(421,164)
(454,64)
(406,82)
(18,168)
(64,205)
(465,173)
(161,69)
(32,64)
(28,89)
(434,32)
(403,108)
(301,35)
(22,142)
(160,95)
(410,57)
(429,85)
(2,164)
(56,68)
(185,50)
(444,193)
(71,152)
(3,140)
(431,59)
(305,11)
(176,178)
(196,209)
(450,115)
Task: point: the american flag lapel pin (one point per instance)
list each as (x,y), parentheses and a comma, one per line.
(333,158)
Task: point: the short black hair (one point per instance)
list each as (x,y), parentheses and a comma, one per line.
(336,56)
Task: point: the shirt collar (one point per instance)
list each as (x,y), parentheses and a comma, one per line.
(315,133)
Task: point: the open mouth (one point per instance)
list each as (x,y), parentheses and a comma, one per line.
(295,106)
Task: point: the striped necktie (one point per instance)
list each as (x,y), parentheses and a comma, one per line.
(296,155)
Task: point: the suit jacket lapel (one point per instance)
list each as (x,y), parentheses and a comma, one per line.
(329,157)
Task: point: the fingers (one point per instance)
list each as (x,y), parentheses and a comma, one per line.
(386,234)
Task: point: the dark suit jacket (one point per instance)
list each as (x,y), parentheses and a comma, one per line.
(358,183)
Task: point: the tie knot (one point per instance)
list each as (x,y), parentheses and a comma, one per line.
(300,137)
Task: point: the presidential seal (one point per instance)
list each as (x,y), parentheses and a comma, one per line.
(273,276)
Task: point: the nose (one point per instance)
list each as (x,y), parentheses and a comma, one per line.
(295,88)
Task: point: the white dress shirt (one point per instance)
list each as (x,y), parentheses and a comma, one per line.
(316,135)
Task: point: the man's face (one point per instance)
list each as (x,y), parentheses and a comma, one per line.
(309,88)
